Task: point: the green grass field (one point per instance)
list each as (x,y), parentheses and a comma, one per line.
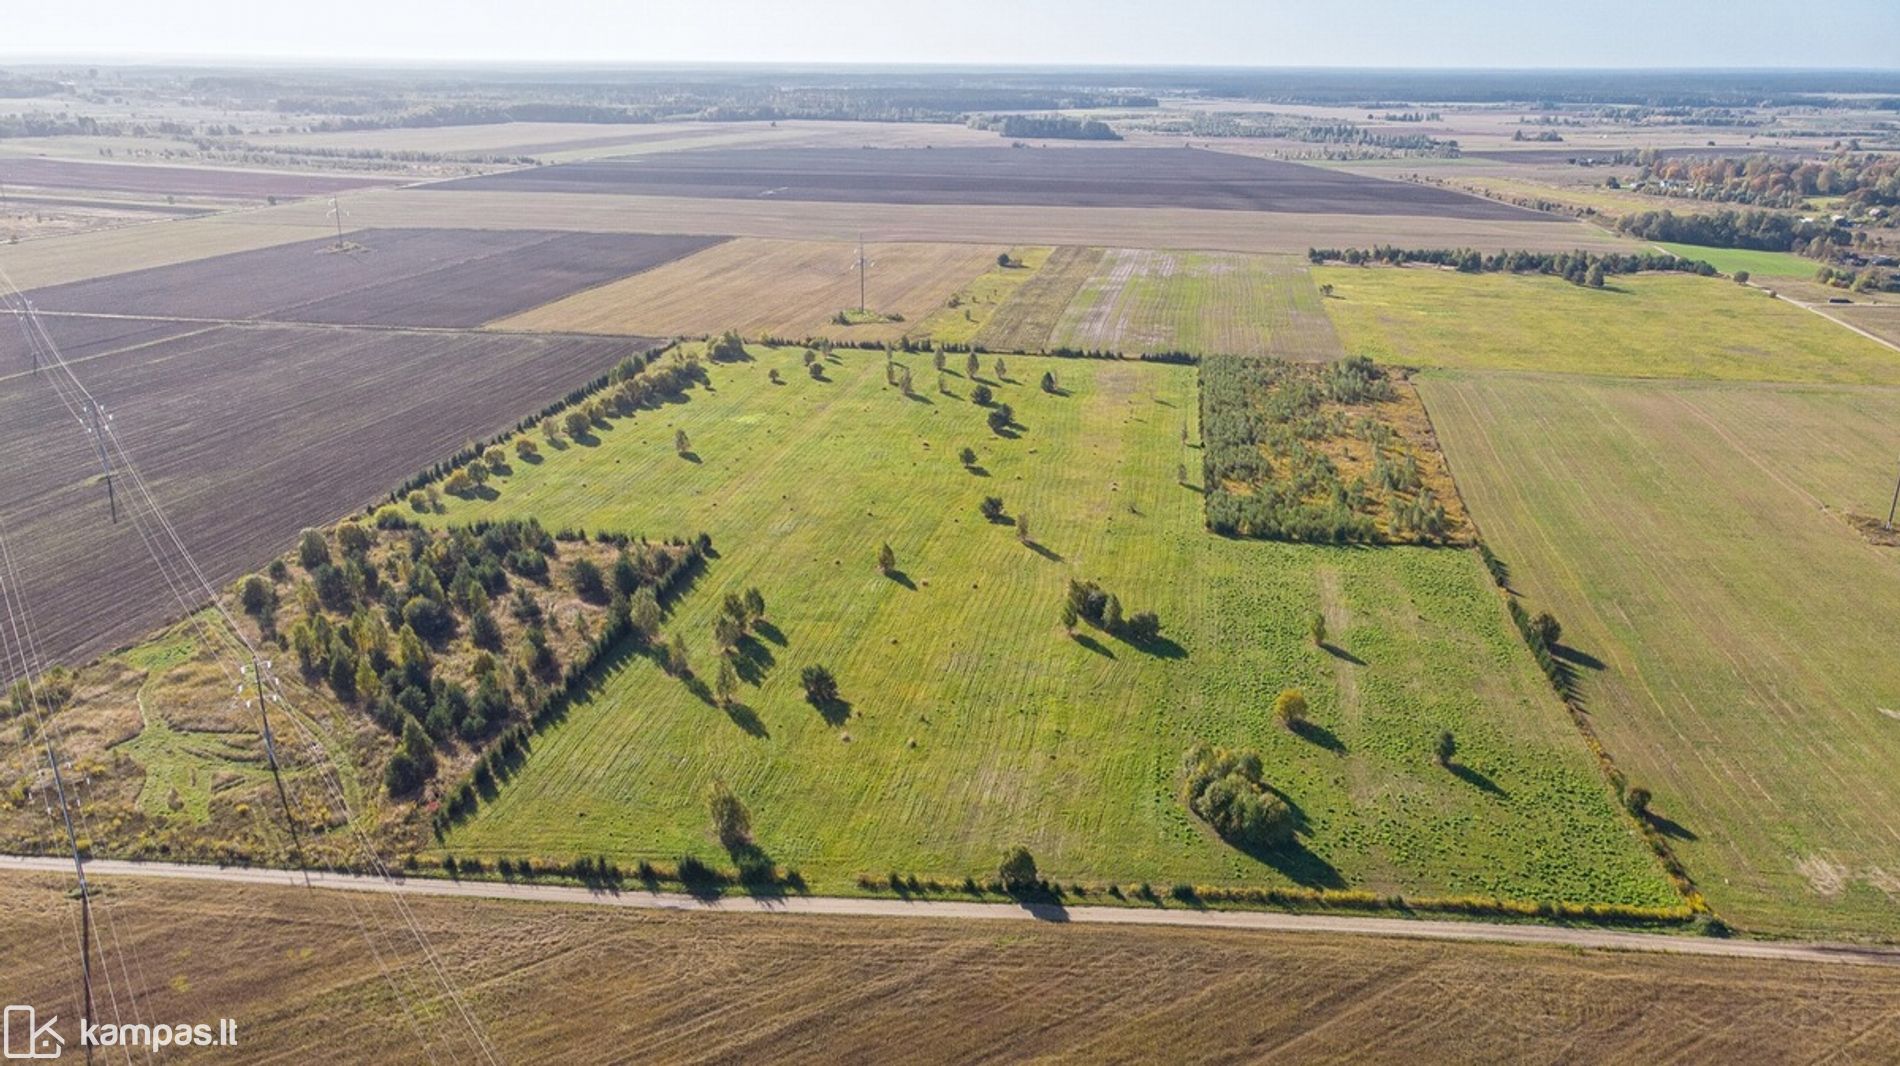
(1760,265)
(1202,302)
(975,722)
(1650,325)
(977,302)
(1691,538)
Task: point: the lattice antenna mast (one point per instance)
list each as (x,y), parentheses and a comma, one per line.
(337,212)
(100,420)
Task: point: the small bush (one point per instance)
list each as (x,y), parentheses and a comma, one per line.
(1018,870)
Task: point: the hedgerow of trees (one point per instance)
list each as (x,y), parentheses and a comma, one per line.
(1575,267)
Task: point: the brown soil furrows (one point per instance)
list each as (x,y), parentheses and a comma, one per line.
(246,434)
(398,277)
(1073,176)
(174,181)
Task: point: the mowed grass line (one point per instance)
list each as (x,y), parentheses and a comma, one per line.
(1020,733)
(1688,537)
(1025,322)
(1201,302)
(1648,325)
(978,301)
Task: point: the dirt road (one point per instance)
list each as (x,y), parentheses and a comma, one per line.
(947,909)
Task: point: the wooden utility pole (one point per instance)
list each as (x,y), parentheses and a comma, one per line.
(270,752)
(1895,504)
(79,869)
(99,420)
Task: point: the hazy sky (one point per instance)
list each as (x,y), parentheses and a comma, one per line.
(1445,33)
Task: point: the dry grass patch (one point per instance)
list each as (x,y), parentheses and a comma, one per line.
(772,288)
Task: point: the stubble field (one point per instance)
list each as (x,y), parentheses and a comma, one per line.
(300,969)
(771,288)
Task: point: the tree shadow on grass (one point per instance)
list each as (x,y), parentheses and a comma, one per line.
(1012,431)
(978,471)
(690,456)
(699,690)
(747,720)
(1319,735)
(758,874)
(1047,553)
(1094,645)
(833,711)
(1158,646)
(1293,859)
(769,631)
(752,659)
(1575,657)
(918,397)
(901,578)
(534,458)
(1476,779)
(1671,828)
(1338,652)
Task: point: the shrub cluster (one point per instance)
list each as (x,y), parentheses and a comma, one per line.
(1090,602)
(1224,788)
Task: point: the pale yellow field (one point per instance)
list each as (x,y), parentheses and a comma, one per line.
(75,257)
(771,288)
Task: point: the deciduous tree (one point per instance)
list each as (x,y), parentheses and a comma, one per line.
(1289,707)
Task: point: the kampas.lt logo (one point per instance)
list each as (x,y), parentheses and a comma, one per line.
(26,1038)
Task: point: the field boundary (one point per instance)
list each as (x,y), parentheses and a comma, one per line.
(1831,953)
